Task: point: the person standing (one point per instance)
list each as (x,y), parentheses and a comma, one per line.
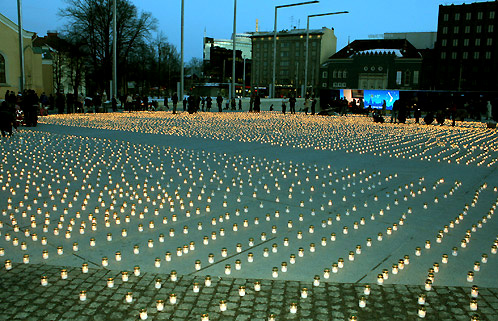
(203,103)
(114,103)
(240,103)
(394,111)
(219,102)
(292,104)
(209,102)
(489,110)
(384,107)
(174,100)
(284,104)
(233,103)
(251,102)
(313,105)
(185,102)
(257,103)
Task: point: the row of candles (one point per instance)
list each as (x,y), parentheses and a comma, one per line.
(357,135)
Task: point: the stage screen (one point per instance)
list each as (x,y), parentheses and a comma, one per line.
(374,98)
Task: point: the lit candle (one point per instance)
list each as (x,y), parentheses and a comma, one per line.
(223,305)
(83,295)
(421,299)
(257,286)
(143,314)
(473,305)
(422,311)
(44,281)
(316,281)
(136,270)
(367,289)
(362,302)
(160,305)
(129,297)
(172,298)
(293,308)
(474,292)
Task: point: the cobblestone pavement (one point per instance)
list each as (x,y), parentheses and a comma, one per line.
(22,297)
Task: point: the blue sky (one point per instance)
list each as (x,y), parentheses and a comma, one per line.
(366,17)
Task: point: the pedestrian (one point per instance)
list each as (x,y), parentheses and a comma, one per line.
(489,111)
(203,102)
(219,102)
(209,102)
(240,104)
(384,107)
(292,104)
(174,101)
(185,102)
(251,102)
(257,103)
(284,104)
(114,104)
(6,119)
(453,111)
(233,103)
(394,111)
(313,105)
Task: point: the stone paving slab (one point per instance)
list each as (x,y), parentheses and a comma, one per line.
(22,297)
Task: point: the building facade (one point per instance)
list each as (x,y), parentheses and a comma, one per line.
(467,51)
(290,61)
(10,69)
(373,64)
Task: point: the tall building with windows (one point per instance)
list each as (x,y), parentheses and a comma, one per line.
(290,61)
(467,51)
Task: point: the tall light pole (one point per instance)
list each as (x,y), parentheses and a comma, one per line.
(307,44)
(114,52)
(232,93)
(21,45)
(181,67)
(275,38)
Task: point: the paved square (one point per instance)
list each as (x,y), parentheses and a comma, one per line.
(247,209)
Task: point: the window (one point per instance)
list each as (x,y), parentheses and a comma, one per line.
(284,44)
(284,54)
(457,16)
(453,55)
(468,16)
(476,55)
(446,16)
(298,53)
(313,44)
(479,15)
(465,42)
(445,30)
(465,55)
(339,74)
(443,42)
(455,42)
(415,77)
(478,29)
(407,77)
(489,42)
(443,55)
(324,84)
(334,74)
(284,63)
(284,72)
(478,42)
(491,15)
(491,28)
(398,77)
(3,76)
(455,29)
(467,29)
(325,74)
(345,74)
(488,54)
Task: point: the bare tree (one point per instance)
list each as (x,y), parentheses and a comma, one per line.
(91,20)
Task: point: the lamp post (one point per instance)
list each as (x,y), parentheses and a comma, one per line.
(275,38)
(181,67)
(232,93)
(21,46)
(114,92)
(307,44)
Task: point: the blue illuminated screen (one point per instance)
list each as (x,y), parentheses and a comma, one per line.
(375,98)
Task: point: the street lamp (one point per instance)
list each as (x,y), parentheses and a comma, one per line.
(181,67)
(232,93)
(307,43)
(114,90)
(275,38)
(21,45)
